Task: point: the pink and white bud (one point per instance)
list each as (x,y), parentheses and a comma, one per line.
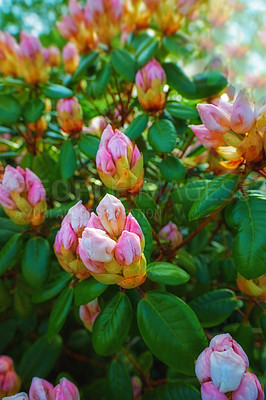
(95,222)
(214,119)
(88,313)
(5,198)
(52,56)
(97,245)
(96,126)
(66,390)
(66,238)
(105,162)
(13,180)
(206,137)
(243,114)
(30,47)
(67,27)
(151,72)
(171,233)
(35,187)
(78,217)
(117,147)
(136,156)
(133,226)
(249,388)
(70,57)
(112,215)
(69,115)
(19,396)
(186,7)
(41,389)
(128,248)
(137,387)
(75,10)
(210,392)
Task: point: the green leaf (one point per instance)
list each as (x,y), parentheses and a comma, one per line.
(59,312)
(178,44)
(213,308)
(119,386)
(248,215)
(209,83)
(36,261)
(10,253)
(54,91)
(39,358)
(178,80)
(173,391)
(146,52)
(112,325)
(181,111)
(185,260)
(10,109)
(33,110)
(162,136)
(8,329)
(215,194)
(88,290)
(67,160)
(146,229)
(145,202)
(8,228)
(263,323)
(89,144)
(5,297)
(172,169)
(85,62)
(124,64)
(137,126)
(99,85)
(166,273)
(51,289)
(171,330)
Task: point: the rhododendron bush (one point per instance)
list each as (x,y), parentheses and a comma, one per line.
(133,212)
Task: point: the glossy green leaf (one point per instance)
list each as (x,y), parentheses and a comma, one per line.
(8,228)
(167,273)
(87,290)
(52,288)
(145,202)
(124,64)
(10,109)
(248,216)
(215,194)
(85,62)
(172,169)
(119,386)
(112,325)
(181,111)
(55,91)
(89,144)
(209,83)
(178,80)
(60,312)
(179,337)
(162,136)
(146,52)
(146,229)
(67,160)
(33,110)
(137,126)
(8,330)
(36,261)
(10,253)
(39,358)
(178,44)
(99,85)
(213,308)
(173,391)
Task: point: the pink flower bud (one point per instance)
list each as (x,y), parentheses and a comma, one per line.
(52,56)
(151,72)
(69,115)
(208,138)
(9,380)
(132,225)
(96,126)
(75,10)
(214,119)
(104,161)
(30,46)
(35,187)
(19,396)
(67,27)
(5,198)
(170,232)
(88,313)
(136,156)
(78,217)
(70,57)
(224,342)
(128,249)
(66,237)
(66,390)
(137,387)
(41,389)
(202,369)
(117,147)
(13,180)
(186,7)
(243,115)
(210,392)
(112,215)
(95,222)
(96,267)
(249,388)
(98,245)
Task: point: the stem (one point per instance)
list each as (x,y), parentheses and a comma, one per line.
(81,357)
(249,308)
(136,365)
